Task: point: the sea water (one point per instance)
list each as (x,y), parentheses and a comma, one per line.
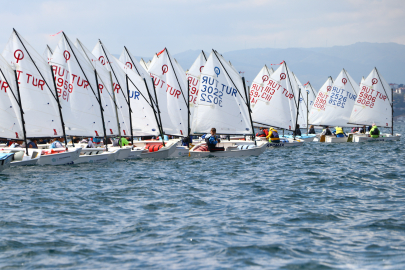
(319,206)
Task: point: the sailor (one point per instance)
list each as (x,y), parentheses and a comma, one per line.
(311,130)
(262,132)
(339,132)
(273,136)
(17,144)
(90,143)
(362,129)
(33,144)
(374,131)
(297,131)
(57,143)
(212,141)
(326,131)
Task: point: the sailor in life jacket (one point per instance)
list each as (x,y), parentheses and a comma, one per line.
(57,143)
(339,132)
(262,132)
(212,141)
(273,136)
(374,131)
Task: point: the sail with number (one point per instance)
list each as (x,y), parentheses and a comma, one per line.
(258,83)
(105,90)
(221,100)
(194,77)
(339,102)
(374,102)
(319,105)
(37,89)
(130,61)
(10,120)
(78,89)
(276,105)
(171,94)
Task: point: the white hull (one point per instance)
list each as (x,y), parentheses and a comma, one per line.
(135,153)
(60,158)
(123,154)
(231,149)
(96,155)
(385,138)
(283,142)
(20,157)
(5,163)
(299,138)
(181,151)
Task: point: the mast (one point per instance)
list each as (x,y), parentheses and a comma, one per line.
(298,112)
(155,113)
(188,105)
(307,112)
(116,112)
(160,119)
(21,111)
(130,114)
(250,112)
(101,110)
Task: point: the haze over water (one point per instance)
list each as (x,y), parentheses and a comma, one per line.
(320,206)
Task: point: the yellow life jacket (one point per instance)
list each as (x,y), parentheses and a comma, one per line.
(339,130)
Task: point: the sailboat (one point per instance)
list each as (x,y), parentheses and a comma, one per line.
(374,105)
(334,104)
(277,103)
(171,88)
(81,101)
(12,120)
(223,103)
(39,100)
(143,64)
(259,83)
(131,78)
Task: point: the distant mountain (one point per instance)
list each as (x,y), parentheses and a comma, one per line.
(316,64)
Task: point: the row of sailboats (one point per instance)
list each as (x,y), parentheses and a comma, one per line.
(74,92)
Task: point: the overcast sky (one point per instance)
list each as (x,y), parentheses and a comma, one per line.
(148,26)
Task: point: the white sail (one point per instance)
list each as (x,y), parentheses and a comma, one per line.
(319,106)
(37,90)
(258,83)
(276,105)
(76,83)
(130,61)
(119,85)
(220,101)
(10,120)
(143,64)
(105,86)
(374,102)
(171,92)
(193,76)
(302,116)
(142,115)
(339,102)
(47,54)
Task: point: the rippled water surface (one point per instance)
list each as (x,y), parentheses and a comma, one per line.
(335,206)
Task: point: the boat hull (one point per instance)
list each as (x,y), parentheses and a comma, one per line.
(60,158)
(386,138)
(231,150)
(96,155)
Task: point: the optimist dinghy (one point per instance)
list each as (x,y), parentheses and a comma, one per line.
(21,158)
(374,106)
(223,103)
(277,105)
(332,107)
